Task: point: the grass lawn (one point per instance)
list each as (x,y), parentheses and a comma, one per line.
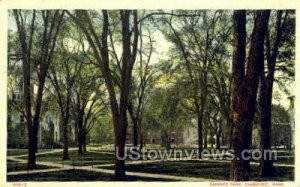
(15,166)
(72,175)
(203,169)
(16,152)
(88,159)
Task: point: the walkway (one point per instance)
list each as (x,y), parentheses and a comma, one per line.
(100,170)
(95,168)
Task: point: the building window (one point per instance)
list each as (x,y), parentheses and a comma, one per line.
(8,119)
(153,140)
(22,119)
(173,140)
(16,96)
(47,119)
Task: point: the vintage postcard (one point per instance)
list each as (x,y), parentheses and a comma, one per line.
(174,92)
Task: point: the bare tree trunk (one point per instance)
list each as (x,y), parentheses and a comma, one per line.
(205,138)
(238,66)
(80,144)
(32,146)
(84,141)
(141,141)
(135,133)
(231,134)
(218,141)
(266,89)
(248,143)
(65,140)
(245,86)
(134,119)
(76,132)
(135,137)
(200,133)
(120,138)
(80,131)
(212,143)
(267,168)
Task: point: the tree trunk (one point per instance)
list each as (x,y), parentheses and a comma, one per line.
(218,141)
(80,143)
(80,131)
(238,66)
(245,86)
(135,137)
(200,135)
(231,134)
(135,133)
(265,101)
(84,141)
(211,143)
(267,168)
(141,141)
(134,119)
(65,140)
(76,132)
(248,143)
(120,139)
(205,138)
(32,147)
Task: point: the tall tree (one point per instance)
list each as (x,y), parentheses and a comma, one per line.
(200,38)
(273,44)
(62,75)
(88,103)
(129,34)
(245,85)
(142,80)
(37,38)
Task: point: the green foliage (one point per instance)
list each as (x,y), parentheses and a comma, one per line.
(197,70)
(164,113)
(16,135)
(102,132)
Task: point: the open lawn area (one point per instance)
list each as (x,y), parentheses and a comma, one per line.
(16,166)
(87,159)
(102,159)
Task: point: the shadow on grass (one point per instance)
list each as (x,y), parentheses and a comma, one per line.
(87,159)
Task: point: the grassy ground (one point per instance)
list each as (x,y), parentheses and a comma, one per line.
(15,152)
(72,175)
(15,166)
(88,159)
(204,169)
